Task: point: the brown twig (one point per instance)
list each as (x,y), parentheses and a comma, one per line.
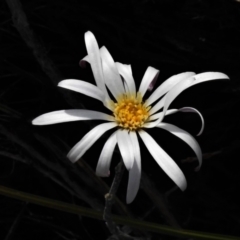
(110,199)
(117,234)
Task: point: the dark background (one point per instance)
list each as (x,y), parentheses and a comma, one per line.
(172,36)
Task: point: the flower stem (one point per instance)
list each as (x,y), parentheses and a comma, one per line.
(110,199)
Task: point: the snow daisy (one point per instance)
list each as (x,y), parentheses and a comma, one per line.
(131,114)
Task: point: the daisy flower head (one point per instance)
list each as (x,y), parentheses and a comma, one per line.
(131,114)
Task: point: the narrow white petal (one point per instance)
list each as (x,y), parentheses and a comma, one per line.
(133,182)
(126,87)
(111,75)
(175,91)
(159,115)
(125,147)
(167,85)
(158,105)
(88,140)
(126,73)
(136,148)
(83,87)
(208,76)
(69,116)
(95,60)
(135,171)
(199,78)
(130,69)
(194,110)
(150,75)
(181,86)
(186,137)
(83,61)
(156,118)
(152,84)
(105,158)
(164,160)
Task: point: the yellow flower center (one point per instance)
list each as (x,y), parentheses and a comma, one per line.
(130,112)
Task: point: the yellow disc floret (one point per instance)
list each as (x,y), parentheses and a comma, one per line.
(130,112)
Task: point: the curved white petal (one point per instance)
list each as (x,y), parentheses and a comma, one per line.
(152,84)
(105,158)
(82,87)
(150,75)
(95,61)
(158,105)
(208,76)
(130,68)
(181,86)
(157,118)
(111,75)
(186,137)
(126,73)
(194,110)
(167,85)
(125,147)
(164,160)
(174,92)
(88,140)
(69,116)
(126,88)
(158,115)
(135,172)
(82,62)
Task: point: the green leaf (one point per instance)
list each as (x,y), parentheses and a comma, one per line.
(149,226)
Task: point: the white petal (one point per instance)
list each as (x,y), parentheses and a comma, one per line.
(190,109)
(164,160)
(88,140)
(95,60)
(105,158)
(126,88)
(135,171)
(69,116)
(83,61)
(152,84)
(159,116)
(130,69)
(167,85)
(111,75)
(150,75)
(125,147)
(126,73)
(83,87)
(186,137)
(177,89)
(208,76)
(171,95)
(158,105)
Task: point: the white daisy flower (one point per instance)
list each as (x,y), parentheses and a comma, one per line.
(131,115)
